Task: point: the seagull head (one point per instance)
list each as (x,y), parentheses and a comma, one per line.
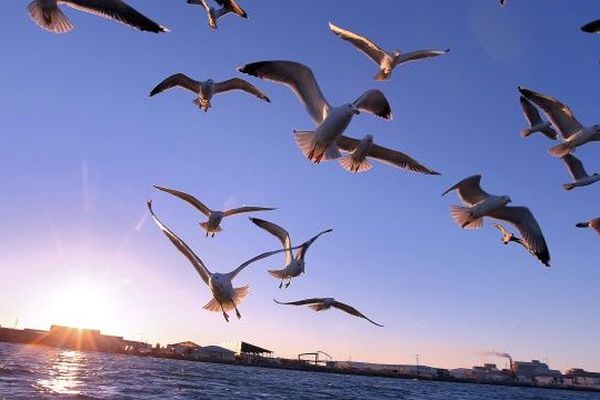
(506,199)
(352,108)
(597,128)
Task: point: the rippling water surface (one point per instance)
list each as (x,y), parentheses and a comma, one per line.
(28,372)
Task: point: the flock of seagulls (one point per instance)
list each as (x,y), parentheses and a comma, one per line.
(327,141)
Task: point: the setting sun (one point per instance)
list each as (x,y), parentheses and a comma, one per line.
(82,304)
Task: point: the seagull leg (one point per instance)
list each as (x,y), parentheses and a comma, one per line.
(237,312)
(206,233)
(288,283)
(224,313)
(213,235)
(280,284)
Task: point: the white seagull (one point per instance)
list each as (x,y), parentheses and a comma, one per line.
(508,237)
(205,90)
(225,296)
(573,133)
(578,173)
(227,6)
(481,204)
(360,150)
(536,123)
(387,61)
(213,225)
(331,121)
(294,265)
(594,224)
(592,27)
(47,15)
(325,303)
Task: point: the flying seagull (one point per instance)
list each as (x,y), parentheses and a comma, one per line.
(387,61)
(573,133)
(325,303)
(227,6)
(331,121)
(594,224)
(211,226)
(592,27)
(578,173)
(294,265)
(536,123)
(225,296)
(508,237)
(205,90)
(360,150)
(480,204)
(47,15)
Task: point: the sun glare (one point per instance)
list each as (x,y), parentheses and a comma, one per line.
(82,304)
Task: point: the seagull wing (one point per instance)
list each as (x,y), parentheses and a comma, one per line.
(116,10)
(180,80)
(300,302)
(362,43)
(233,6)
(502,229)
(353,311)
(530,111)
(240,84)
(374,102)
(299,78)
(469,190)
(525,222)
(592,27)
(182,247)
(304,246)
(558,113)
(387,156)
(247,209)
(420,54)
(574,166)
(279,233)
(187,197)
(239,269)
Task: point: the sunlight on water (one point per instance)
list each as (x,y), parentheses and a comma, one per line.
(64,372)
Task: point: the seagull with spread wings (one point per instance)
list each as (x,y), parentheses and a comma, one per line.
(593,224)
(48,16)
(227,6)
(213,225)
(294,265)
(536,123)
(573,133)
(359,151)
(480,204)
(331,121)
(205,90)
(225,296)
(387,61)
(325,303)
(578,173)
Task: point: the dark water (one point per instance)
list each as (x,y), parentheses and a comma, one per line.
(28,372)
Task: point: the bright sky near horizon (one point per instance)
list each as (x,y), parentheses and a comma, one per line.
(83,145)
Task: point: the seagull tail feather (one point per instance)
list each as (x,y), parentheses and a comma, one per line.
(54,21)
(525,132)
(568,186)
(204,226)
(463,218)
(383,76)
(318,307)
(278,273)
(350,165)
(582,224)
(306,141)
(561,150)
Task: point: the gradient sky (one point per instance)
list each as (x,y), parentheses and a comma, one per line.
(82,145)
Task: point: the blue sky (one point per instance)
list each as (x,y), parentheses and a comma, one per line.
(83,145)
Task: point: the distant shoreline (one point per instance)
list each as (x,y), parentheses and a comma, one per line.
(295,365)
